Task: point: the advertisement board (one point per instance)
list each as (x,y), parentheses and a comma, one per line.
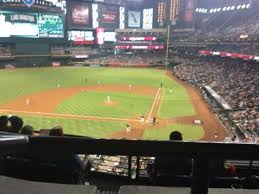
(148,18)
(81,37)
(109,16)
(109,37)
(99,35)
(79,15)
(189,10)
(134,19)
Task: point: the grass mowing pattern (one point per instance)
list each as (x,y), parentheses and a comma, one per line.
(175,104)
(20,82)
(189,132)
(97,129)
(92,104)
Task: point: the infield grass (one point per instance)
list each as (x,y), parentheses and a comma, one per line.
(122,105)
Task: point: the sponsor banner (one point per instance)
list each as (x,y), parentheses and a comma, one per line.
(139,47)
(109,36)
(117,64)
(134,19)
(230,55)
(146,38)
(80,14)
(109,16)
(148,18)
(56,64)
(99,35)
(81,37)
(189,10)
(9,66)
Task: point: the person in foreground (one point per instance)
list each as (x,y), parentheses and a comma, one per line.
(171,165)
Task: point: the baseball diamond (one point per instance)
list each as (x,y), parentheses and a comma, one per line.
(45,97)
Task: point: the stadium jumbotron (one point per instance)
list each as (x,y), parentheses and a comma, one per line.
(115,94)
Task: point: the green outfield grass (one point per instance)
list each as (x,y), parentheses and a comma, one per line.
(97,129)
(92,104)
(189,132)
(19,82)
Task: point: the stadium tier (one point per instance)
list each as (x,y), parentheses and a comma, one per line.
(123,96)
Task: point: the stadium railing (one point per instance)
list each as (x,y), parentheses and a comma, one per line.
(202,152)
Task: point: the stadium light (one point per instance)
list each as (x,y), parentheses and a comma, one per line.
(233,7)
(219,9)
(248,6)
(228,8)
(224,8)
(243,6)
(211,10)
(197,10)
(205,11)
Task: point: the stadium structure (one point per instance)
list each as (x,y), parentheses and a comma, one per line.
(129,96)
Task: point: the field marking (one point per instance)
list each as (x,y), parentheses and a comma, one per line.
(69,115)
(155,102)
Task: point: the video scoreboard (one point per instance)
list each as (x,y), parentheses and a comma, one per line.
(31,25)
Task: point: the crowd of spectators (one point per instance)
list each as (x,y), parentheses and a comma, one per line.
(14,124)
(236,81)
(63,50)
(6,51)
(144,58)
(239,26)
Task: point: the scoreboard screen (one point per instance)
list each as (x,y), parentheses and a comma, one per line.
(50,26)
(30,25)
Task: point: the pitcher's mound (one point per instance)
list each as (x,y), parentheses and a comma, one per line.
(110,103)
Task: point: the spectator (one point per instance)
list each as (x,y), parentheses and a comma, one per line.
(176,164)
(27,130)
(235,81)
(56,131)
(3,123)
(16,124)
(67,162)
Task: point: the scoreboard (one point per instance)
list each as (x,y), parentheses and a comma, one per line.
(31,25)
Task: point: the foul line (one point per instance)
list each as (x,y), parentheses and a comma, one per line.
(155,102)
(69,115)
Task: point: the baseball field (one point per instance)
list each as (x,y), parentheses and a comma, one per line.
(100,102)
